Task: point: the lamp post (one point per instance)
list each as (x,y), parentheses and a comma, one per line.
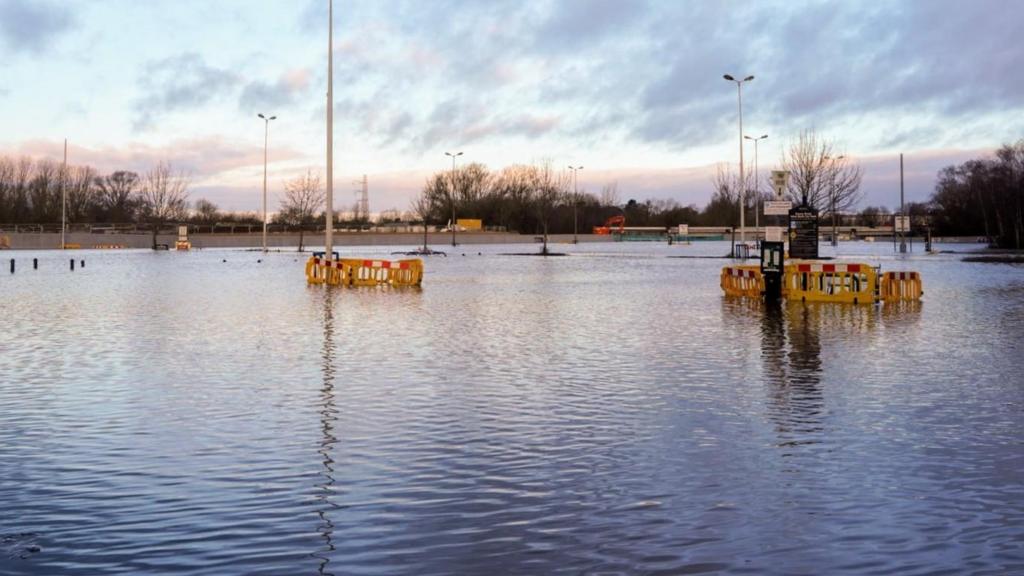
(832,196)
(64,197)
(451,194)
(743,180)
(329,208)
(266,139)
(757,190)
(575,203)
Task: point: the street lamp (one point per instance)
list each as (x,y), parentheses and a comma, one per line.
(743,180)
(832,196)
(757,190)
(266,136)
(575,202)
(451,194)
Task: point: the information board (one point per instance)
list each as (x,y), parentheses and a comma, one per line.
(684,230)
(777,207)
(803,233)
(773,234)
(902,224)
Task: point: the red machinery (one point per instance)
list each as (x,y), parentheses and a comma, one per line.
(607,228)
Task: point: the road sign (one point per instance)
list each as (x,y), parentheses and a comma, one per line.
(773,233)
(777,207)
(684,230)
(902,224)
(780,181)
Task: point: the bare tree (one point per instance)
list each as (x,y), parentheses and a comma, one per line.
(550,189)
(116,195)
(163,197)
(206,212)
(421,206)
(81,193)
(303,197)
(820,176)
(610,194)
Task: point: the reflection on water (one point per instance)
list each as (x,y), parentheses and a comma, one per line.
(328,413)
(607,412)
(792,357)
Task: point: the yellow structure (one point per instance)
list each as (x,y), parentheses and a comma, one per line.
(182,245)
(354,272)
(5,242)
(70,246)
(109,246)
(849,283)
(470,224)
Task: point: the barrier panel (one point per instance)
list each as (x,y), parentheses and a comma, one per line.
(109,246)
(5,243)
(810,281)
(742,281)
(183,245)
(813,282)
(72,246)
(901,287)
(353,272)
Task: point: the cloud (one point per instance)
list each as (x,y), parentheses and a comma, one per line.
(33,25)
(258,95)
(208,159)
(179,83)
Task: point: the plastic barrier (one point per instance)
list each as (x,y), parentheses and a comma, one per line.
(901,287)
(182,245)
(742,281)
(70,246)
(814,282)
(5,243)
(353,272)
(109,246)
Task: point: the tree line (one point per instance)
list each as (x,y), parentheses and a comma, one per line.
(981,197)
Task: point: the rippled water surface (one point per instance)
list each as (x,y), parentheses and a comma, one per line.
(609,412)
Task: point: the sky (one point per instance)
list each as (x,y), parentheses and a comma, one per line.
(632,90)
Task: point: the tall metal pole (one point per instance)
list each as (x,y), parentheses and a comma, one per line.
(329,215)
(743,180)
(63,196)
(575,203)
(757,189)
(743,175)
(266,140)
(452,192)
(903,214)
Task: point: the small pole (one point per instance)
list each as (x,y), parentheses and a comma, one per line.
(903,214)
(35,263)
(72,264)
(83,263)
(12,265)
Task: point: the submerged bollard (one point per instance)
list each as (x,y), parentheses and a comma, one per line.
(83,263)
(35,263)
(72,264)
(12,265)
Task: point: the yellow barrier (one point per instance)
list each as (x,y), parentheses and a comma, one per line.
(109,246)
(901,286)
(742,281)
(183,245)
(819,282)
(72,246)
(813,282)
(352,272)
(5,242)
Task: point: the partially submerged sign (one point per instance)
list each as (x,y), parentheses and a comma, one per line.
(902,224)
(684,230)
(803,233)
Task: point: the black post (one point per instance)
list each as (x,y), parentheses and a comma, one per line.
(83,263)
(35,263)
(772,265)
(12,265)
(72,264)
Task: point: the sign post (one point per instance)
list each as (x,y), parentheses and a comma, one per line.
(772,265)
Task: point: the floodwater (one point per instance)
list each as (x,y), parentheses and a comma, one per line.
(609,412)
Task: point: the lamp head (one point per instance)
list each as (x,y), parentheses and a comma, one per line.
(748,78)
(261,116)
(729,78)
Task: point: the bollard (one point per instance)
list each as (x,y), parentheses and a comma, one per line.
(83,263)
(35,263)
(72,264)
(12,265)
